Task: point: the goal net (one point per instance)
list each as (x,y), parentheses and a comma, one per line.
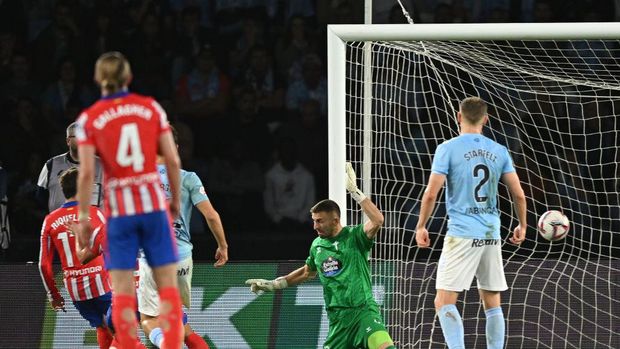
(554,102)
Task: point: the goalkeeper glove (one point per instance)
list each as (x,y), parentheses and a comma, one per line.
(259,286)
(352,188)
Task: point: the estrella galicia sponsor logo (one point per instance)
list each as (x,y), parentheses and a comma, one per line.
(331,267)
(484,242)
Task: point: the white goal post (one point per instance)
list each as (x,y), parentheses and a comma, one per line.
(553,91)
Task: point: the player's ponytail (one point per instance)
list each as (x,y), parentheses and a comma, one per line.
(112,72)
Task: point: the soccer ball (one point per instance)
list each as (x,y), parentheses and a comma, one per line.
(553,225)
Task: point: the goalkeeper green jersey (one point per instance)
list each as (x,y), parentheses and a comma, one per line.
(342,265)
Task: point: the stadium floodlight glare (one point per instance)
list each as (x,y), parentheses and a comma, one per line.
(553,91)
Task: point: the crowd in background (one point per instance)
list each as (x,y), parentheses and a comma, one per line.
(243,81)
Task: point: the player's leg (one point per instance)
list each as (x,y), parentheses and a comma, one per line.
(124,309)
(93,310)
(121,261)
(450,318)
(496,325)
(491,281)
(193,340)
(104,335)
(158,242)
(185,271)
(148,304)
(457,265)
(152,329)
(339,334)
(372,331)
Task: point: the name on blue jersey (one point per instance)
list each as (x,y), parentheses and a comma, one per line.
(480,153)
(482,210)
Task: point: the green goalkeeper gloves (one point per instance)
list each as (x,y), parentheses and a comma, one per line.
(352,188)
(259,286)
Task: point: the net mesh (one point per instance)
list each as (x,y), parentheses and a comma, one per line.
(554,104)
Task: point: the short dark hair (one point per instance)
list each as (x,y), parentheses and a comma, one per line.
(68,182)
(473,109)
(326,205)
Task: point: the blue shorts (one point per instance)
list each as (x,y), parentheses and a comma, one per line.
(151,231)
(93,310)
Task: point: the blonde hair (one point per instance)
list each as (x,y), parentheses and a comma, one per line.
(473,109)
(112,71)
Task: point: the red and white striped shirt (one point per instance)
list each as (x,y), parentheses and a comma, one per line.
(82,281)
(125,128)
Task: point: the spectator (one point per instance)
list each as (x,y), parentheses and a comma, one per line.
(61,38)
(151,56)
(103,35)
(205,90)
(236,182)
(23,134)
(248,123)
(309,129)
(252,36)
(296,43)
(191,37)
(26,214)
(312,85)
(261,78)
(64,91)
(289,189)
(7,51)
(20,84)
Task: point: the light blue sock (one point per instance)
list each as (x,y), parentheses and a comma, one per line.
(452,326)
(496,328)
(156,337)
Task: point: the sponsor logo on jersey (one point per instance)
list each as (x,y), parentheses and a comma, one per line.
(331,267)
(484,242)
(83,271)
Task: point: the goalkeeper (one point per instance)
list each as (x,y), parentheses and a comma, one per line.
(340,256)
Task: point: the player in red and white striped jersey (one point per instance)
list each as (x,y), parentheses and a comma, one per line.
(128,131)
(87,283)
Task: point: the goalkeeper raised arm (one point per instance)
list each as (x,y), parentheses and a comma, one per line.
(339,255)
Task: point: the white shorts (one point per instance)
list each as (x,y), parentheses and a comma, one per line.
(148,297)
(462,259)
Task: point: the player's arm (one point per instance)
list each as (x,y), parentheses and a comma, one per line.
(88,252)
(86,153)
(295,277)
(46,258)
(168,150)
(435,183)
(375,217)
(511,179)
(217,229)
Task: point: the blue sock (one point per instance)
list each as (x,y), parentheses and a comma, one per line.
(452,326)
(156,337)
(496,328)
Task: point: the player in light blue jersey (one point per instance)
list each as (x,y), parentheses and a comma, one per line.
(193,195)
(471,165)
